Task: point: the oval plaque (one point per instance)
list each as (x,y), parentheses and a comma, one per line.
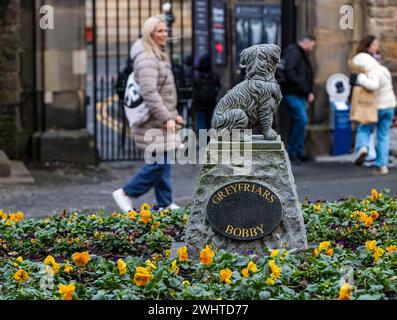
(244,210)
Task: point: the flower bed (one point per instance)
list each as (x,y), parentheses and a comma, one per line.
(128,257)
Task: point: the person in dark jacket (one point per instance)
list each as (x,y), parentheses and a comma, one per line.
(206,88)
(298,91)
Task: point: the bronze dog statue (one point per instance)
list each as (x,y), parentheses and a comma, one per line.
(253,101)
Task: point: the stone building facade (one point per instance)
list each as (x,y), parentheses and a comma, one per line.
(43,83)
(336,45)
(10,84)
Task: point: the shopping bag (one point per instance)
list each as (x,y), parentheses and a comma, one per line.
(364,108)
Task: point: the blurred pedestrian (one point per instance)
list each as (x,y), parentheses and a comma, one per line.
(206,88)
(153,73)
(369,44)
(376,78)
(188,70)
(298,93)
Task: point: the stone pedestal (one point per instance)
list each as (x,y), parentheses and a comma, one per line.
(72,146)
(271,169)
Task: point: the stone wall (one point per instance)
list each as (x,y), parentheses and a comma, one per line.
(382,22)
(9,69)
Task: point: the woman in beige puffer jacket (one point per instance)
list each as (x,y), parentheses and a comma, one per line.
(158,135)
(377,78)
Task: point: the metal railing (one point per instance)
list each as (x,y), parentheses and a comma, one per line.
(115,25)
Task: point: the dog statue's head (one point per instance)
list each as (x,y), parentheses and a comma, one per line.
(260,60)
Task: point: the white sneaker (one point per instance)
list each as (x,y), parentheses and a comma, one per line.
(173,206)
(122,200)
(380,171)
(360,156)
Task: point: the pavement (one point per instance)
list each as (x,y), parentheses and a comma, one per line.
(89,189)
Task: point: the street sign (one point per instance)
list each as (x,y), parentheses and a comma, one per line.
(201,27)
(218,29)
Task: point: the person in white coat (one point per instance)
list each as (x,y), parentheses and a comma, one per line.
(378,79)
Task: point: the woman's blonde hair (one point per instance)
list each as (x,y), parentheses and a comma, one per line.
(148,29)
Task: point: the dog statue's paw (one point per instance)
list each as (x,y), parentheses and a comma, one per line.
(270,135)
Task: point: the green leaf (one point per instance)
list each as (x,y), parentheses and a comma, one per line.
(264,295)
(242,261)
(369,297)
(99,296)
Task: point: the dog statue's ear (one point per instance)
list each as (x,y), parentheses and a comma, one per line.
(243,57)
(272,51)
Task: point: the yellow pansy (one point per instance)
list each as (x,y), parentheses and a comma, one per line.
(81,258)
(378,254)
(371,245)
(54,268)
(350,229)
(142,276)
(16,217)
(174,266)
(324,245)
(166,211)
(67,291)
(122,267)
(182,254)
(391,249)
(207,255)
(374,215)
(275,270)
(145,207)
(245,272)
(114,214)
(252,267)
(185,283)
(49,260)
(150,265)
(374,195)
(155,257)
(155,225)
(345,292)
(317,207)
(21,276)
(368,222)
(226,274)
(132,215)
(270,282)
(363,217)
(68,267)
(146,216)
(274,253)
(18,261)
